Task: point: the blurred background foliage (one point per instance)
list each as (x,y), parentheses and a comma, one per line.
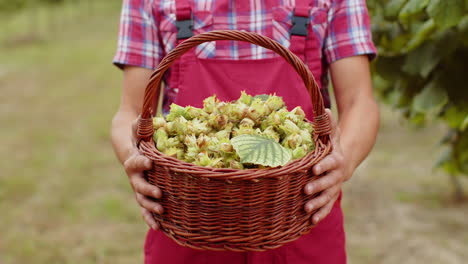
(421,69)
(65,199)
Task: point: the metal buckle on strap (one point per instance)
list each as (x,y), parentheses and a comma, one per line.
(300,25)
(184,28)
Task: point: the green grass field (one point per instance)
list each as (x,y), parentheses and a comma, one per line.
(65,199)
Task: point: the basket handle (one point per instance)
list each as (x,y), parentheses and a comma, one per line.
(145,125)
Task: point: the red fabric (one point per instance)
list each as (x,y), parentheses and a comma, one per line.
(325,244)
(301,8)
(183,11)
(200,78)
(298,45)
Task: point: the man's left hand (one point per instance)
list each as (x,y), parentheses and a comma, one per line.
(334,173)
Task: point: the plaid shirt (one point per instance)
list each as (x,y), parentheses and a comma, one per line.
(148,32)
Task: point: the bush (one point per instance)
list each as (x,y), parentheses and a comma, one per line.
(421,69)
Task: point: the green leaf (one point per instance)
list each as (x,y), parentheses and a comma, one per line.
(463,25)
(422,60)
(399,42)
(456,117)
(389,67)
(463,29)
(399,97)
(455,159)
(447,163)
(464,124)
(262,97)
(260,150)
(393,7)
(460,151)
(431,99)
(446,156)
(411,8)
(417,119)
(381,85)
(446,13)
(447,138)
(422,34)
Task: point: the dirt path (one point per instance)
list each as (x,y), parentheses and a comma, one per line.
(397,209)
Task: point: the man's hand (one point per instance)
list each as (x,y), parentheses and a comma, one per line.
(354,100)
(334,172)
(144,191)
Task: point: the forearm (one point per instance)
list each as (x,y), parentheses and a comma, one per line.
(353,137)
(359,125)
(122,129)
(122,134)
(357,110)
(134,84)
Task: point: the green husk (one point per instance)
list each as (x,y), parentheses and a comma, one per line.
(203,135)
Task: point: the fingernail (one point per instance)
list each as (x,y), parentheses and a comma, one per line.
(156,194)
(309,208)
(157,210)
(318,170)
(316,219)
(309,189)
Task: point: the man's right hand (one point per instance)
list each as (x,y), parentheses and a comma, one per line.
(144,191)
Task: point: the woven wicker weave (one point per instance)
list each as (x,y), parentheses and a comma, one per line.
(227,209)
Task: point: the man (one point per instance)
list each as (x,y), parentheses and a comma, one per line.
(329,35)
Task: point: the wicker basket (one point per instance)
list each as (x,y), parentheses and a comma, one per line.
(227,209)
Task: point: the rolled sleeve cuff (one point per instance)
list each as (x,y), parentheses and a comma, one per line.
(349,50)
(133,59)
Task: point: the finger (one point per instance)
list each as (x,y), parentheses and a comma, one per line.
(137,162)
(322,183)
(328,163)
(334,126)
(321,200)
(323,212)
(141,186)
(149,219)
(149,204)
(332,119)
(135,126)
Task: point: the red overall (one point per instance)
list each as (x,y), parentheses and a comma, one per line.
(198,78)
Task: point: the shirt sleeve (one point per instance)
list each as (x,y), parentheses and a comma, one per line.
(138,42)
(349,32)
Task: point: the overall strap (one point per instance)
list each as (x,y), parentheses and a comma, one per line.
(184,25)
(299,30)
(184,19)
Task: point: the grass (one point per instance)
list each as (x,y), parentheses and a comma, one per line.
(65,199)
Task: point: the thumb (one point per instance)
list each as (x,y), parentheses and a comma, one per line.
(135,126)
(335,130)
